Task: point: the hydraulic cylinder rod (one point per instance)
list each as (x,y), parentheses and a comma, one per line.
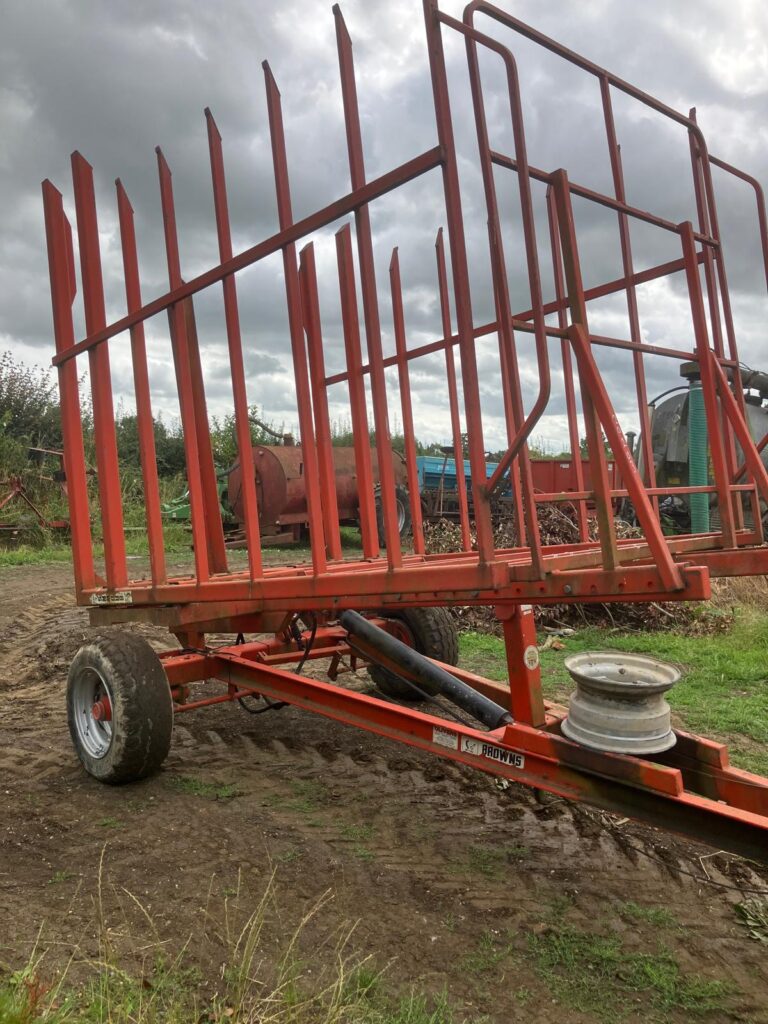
(397,657)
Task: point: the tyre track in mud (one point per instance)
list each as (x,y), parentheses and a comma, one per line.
(408,842)
(40,633)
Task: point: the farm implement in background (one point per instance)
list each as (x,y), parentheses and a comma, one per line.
(388,607)
(26,527)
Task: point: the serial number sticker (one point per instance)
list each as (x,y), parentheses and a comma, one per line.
(445,738)
(116,597)
(480,749)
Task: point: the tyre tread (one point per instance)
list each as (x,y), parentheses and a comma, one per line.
(143,702)
(435,635)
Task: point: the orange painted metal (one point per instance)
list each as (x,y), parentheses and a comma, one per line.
(690,789)
(694,790)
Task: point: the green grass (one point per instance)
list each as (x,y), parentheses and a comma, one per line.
(722,694)
(26,555)
(110,823)
(207,790)
(307,797)
(177,540)
(491,861)
(487,955)
(358,833)
(252,987)
(597,974)
(657,917)
(60,876)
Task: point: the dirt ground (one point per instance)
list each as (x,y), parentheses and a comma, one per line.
(453,880)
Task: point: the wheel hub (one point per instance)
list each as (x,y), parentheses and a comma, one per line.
(102,710)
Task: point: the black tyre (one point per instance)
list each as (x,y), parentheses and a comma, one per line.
(430,631)
(119,708)
(403,509)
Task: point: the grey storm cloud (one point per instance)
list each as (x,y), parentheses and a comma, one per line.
(114,79)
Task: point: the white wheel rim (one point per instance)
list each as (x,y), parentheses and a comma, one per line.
(400,515)
(94,735)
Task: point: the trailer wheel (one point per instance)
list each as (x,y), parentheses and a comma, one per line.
(119,708)
(430,631)
(403,509)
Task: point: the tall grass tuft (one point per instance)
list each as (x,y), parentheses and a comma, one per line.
(269,973)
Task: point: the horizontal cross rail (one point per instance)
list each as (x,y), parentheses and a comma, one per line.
(419,165)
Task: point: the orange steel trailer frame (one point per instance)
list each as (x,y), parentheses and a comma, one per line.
(691,789)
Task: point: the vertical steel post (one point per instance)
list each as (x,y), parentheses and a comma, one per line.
(513,412)
(179,346)
(526,519)
(709,195)
(360,433)
(409,433)
(144,421)
(635,334)
(296,326)
(501,290)
(453,393)
(235,346)
(523,664)
(714,276)
(600,481)
(105,439)
(310,307)
(368,288)
(461,287)
(217,552)
(711,405)
(565,352)
(62,275)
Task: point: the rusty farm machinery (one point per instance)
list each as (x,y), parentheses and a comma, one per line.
(614,748)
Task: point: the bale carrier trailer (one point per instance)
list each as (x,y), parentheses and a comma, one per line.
(614,748)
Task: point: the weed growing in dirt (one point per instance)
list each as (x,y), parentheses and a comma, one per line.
(262,979)
(523,995)
(111,823)
(308,797)
(358,833)
(492,861)
(57,878)
(289,856)
(715,669)
(489,952)
(754,914)
(658,917)
(486,860)
(199,787)
(363,853)
(597,974)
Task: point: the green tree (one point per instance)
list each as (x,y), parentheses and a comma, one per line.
(29,405)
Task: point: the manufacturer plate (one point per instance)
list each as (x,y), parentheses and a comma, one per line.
(445,738)
(116,597)
(492,753)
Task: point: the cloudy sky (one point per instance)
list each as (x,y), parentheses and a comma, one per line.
(114,79)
